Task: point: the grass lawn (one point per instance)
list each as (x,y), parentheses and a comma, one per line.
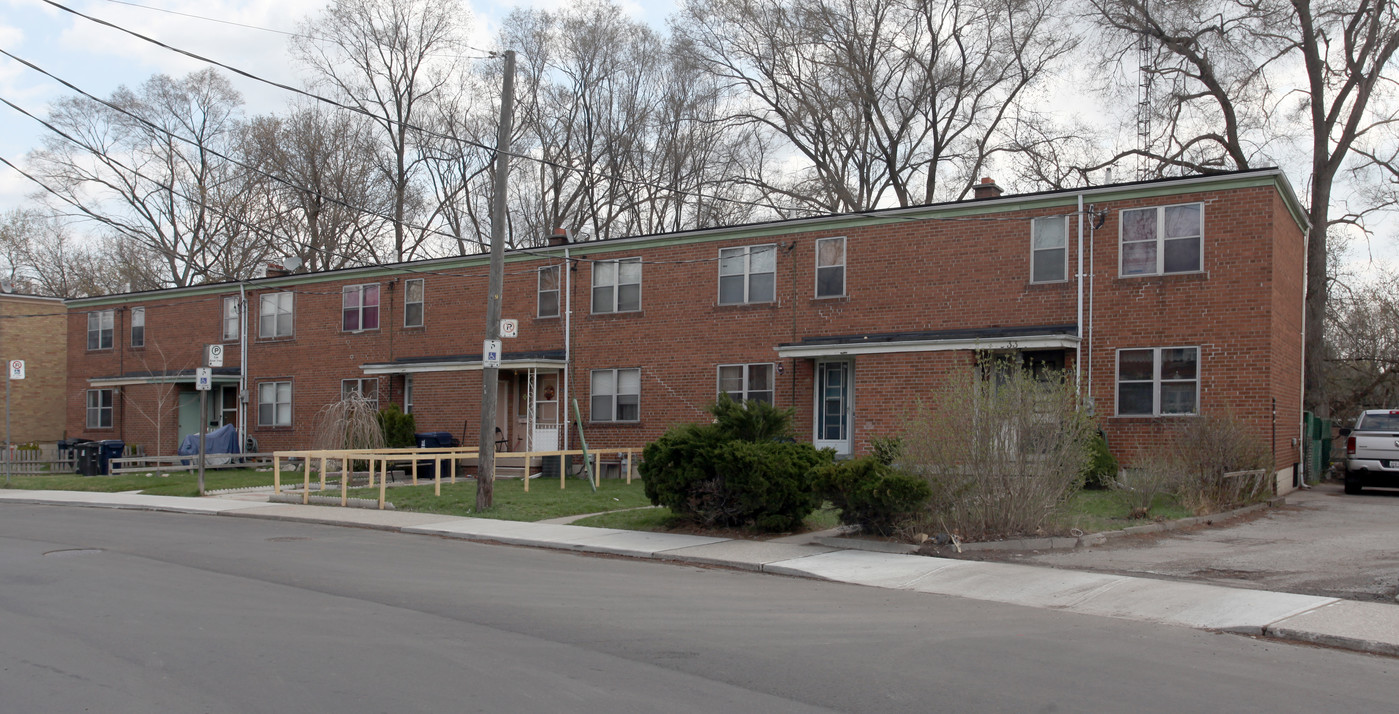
(1094,511)
(170,484)
(510,502)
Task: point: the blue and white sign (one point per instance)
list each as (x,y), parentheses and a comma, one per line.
(490,353)
(16,369)
(203,378)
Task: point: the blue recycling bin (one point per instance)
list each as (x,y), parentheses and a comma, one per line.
(107,450)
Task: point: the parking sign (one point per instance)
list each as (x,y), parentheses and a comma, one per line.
(203,379)
(490,353)
(16,369)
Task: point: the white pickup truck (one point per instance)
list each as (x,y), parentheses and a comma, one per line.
(1372,450)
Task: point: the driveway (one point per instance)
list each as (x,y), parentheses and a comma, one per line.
(1321,543)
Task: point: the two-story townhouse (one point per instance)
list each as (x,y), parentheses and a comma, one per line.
(1190,303)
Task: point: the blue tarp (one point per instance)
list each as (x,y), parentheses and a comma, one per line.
(223,440)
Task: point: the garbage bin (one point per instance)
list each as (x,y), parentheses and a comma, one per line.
(108,450)
(85,457)
(433,440)
(67,450)
(551,466)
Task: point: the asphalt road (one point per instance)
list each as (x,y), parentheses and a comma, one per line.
(1322,542)
(125,611)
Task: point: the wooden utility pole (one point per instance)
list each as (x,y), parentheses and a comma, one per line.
(485,475)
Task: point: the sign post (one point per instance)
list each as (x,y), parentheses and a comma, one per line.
(203,381)
(16,372)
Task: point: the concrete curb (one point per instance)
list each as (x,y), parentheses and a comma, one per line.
(1086,540)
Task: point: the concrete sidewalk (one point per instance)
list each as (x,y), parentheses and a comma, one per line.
(1360,626)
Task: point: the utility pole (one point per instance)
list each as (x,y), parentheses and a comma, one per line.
(490,369)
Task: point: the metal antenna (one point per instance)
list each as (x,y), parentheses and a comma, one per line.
(1144,76)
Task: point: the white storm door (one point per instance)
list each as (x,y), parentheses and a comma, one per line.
(833,405)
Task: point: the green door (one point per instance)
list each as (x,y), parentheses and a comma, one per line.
(189,414)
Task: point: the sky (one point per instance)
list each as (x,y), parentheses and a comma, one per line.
(100,59)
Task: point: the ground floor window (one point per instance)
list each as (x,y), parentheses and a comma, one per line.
(274,404)
(616,395)
(746,381)
(367,388)
(1158,381)
(408,394)
(99,408)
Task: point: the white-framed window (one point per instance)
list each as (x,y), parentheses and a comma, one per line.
(1049,249)
(748,274)
(274,404)
(830,267)
(99,408)
(617,285)
(407,394)
(101,325)
(275,315)
(360,308)
(616,395)
(549,291)
(230,318)
(413,302)
(743,382)
(1158,381)
(367,387)
(138,327)
(1162,239)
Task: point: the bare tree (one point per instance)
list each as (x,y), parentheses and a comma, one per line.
(150,170)
(325,196)
(41,256)
(388,58)
(878,101)
(1237,75)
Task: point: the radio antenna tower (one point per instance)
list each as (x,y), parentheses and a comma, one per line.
(1144,76)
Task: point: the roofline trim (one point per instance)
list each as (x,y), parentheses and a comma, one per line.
(1036,342)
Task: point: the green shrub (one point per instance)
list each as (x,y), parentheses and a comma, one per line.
(743,469)
(872,495)
(398,427)
(1101,471)
(886,449)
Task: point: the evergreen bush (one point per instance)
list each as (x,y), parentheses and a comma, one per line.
(873,495)
(398,427)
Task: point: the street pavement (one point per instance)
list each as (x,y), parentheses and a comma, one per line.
(1330,621)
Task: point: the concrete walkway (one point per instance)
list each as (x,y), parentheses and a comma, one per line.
(1365,627)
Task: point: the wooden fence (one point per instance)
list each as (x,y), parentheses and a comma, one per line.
(380,460)
(42,459)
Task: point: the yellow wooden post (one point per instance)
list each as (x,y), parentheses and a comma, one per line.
(631,464)
(437,476)
(454,468)
(415,470)
(323,474)
(344,481)
(383,481)
(306,482)
(276,474)
(597,471)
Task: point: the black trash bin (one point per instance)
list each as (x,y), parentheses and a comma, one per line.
(427,468)
(85,457)
(108,450)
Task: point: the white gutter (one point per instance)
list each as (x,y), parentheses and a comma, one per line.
(1009,343)
(242,416)
(1078,356)
(458,366)
(567,344)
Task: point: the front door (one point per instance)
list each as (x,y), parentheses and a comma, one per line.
(833,405)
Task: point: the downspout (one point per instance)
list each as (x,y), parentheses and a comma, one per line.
(1078,359)
(1298,478)
(242,415)
(567,269)
(1092,277)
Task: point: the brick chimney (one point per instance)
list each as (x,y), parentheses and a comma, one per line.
(275,270)
(560,237)
(986,189)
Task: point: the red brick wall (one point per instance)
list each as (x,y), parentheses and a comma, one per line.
(902,275)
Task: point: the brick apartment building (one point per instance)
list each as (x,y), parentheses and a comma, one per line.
(32,330)
(1193,306)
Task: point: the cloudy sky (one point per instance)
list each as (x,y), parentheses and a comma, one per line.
(251,35)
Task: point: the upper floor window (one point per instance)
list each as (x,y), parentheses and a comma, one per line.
(360,308)
(1049,249)
(1158,381)
(275,316)
(274,404)
(549,291)
(138,327)
(748,274)
(1163,239)
(99,408)
(413,302)
(746,381)
(616,395)
(230,318)
(617,285)
(100,327)
(830,267)
(368,388)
